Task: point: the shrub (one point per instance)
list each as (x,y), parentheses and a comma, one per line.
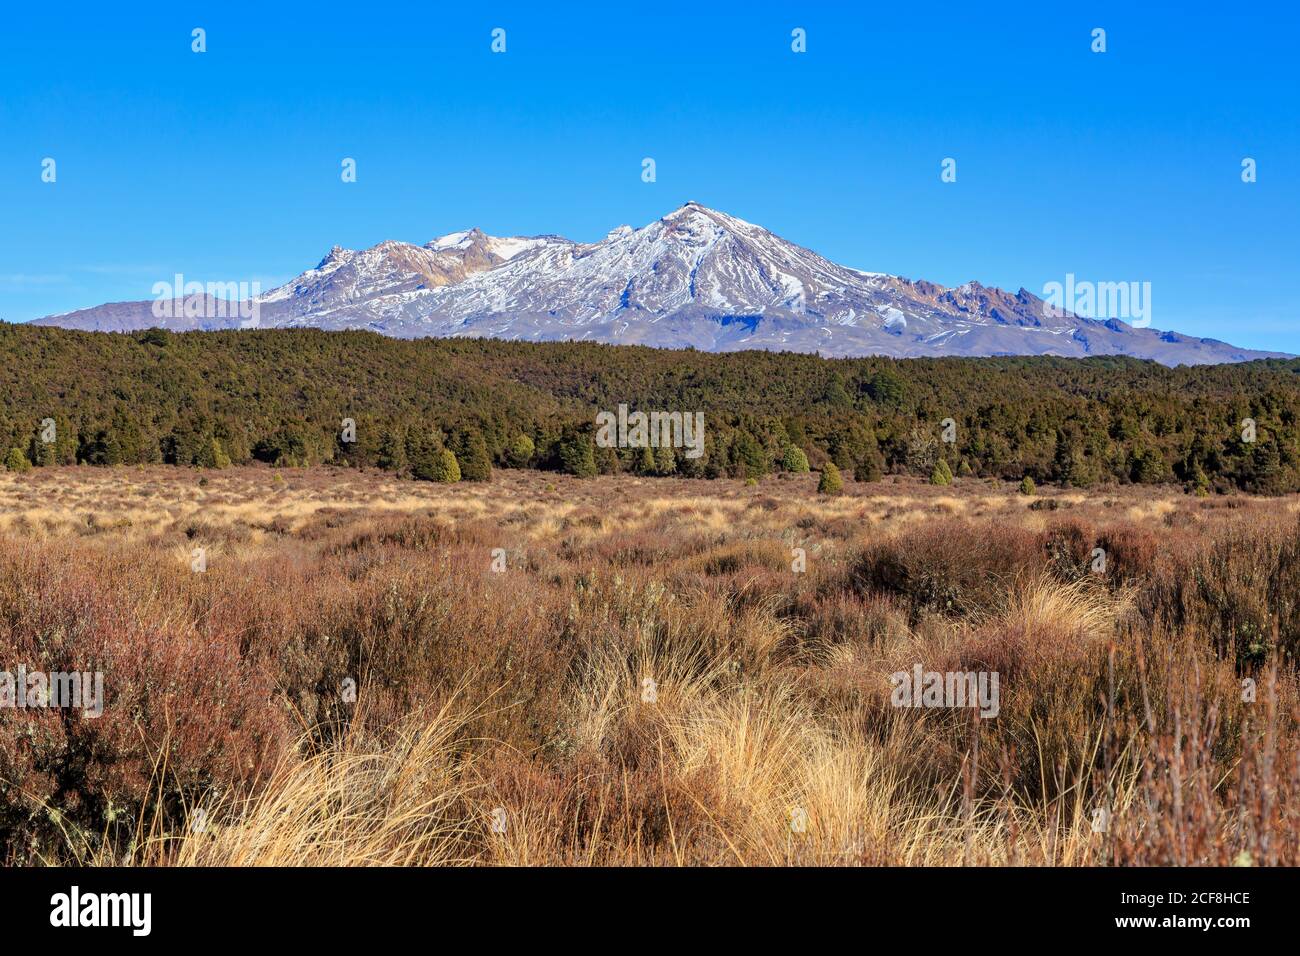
(608,462)
(521,450)
(948,565)
(1130,552)
(794,460)
(17,461)
(1027,486)
(942,474)
(645,461)
(870,467)
(193,694)
(831,483)
(447,469)
(665,461)
(440,465)
(213,455)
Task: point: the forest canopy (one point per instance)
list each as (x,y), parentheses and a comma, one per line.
(286,397)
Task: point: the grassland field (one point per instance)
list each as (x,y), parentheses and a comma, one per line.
(334,666)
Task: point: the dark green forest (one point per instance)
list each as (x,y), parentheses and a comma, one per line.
(443,409)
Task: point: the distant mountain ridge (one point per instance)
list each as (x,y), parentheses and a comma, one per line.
(694,278)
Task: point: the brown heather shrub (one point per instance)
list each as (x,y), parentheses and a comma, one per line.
(1240,587)
(742,556)
(1183,808)
(948,565)
(844,617)
(179,699)
(1130,552)
(1068,545)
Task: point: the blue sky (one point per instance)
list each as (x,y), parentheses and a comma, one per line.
(1122,166)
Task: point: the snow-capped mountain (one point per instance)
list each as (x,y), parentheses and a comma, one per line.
(697,277)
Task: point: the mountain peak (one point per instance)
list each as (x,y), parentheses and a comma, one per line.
(456,240)
(692,208)
(692,214)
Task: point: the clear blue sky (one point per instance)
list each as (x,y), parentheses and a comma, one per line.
(225,166)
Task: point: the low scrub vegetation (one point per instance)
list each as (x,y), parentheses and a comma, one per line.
(330,666)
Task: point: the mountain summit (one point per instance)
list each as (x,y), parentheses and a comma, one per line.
(696,277)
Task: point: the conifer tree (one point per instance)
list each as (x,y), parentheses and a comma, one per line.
(830,483)
(471,452)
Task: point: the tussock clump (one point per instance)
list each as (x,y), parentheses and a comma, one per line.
(402,800)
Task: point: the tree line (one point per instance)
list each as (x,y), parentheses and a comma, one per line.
(454,409)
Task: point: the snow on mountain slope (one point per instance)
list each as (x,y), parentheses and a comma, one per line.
(697,277)
(692,257)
